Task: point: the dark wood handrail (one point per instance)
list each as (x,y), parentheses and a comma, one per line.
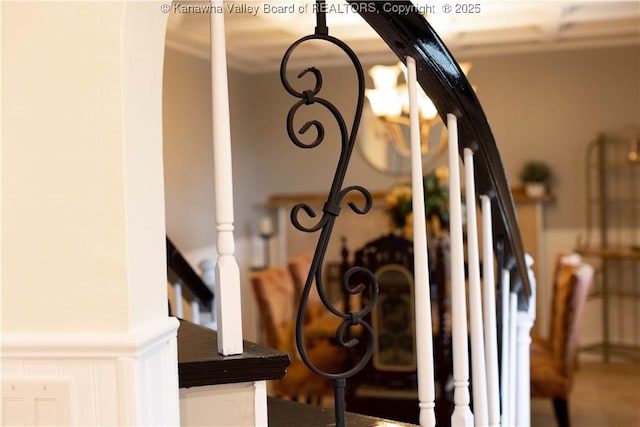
(179,269)
(444,82)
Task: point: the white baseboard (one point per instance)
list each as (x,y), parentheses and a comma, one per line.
(107,379)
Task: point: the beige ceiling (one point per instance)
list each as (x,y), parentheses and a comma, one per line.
(259,32)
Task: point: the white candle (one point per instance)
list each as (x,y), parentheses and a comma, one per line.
(266,227)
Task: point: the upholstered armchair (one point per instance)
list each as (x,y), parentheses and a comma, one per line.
(274,292)
(553,361)
(299,267)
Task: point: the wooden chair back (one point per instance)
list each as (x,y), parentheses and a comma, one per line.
(390,259)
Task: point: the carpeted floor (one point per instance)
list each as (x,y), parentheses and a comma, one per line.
(604,395)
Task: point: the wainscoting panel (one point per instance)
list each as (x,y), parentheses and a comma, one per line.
(91,380)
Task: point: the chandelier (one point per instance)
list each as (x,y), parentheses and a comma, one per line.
(389,101)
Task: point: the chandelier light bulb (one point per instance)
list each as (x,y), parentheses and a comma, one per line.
(384,77)
(385,102)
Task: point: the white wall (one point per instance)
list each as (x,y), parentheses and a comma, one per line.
(84,302)
(62,171)
(188,150)
(550,106)
(75,140)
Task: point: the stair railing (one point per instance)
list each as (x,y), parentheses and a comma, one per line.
(188,285)
(409,35)
(432,66)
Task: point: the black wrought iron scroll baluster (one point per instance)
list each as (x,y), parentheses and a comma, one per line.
(330,211)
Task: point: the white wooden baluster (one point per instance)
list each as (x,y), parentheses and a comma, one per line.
(208,274)
(424,342)
(525,321)
(228,307)
(177,293)
(195,311)
(504,363)
(490,323)
(513,318)
(478,370)
(462,415)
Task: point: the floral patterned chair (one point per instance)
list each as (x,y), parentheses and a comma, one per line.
(274,292)
(299,267)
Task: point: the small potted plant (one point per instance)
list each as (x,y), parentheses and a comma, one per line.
(536,176)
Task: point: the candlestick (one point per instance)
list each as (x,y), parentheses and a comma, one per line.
(266,226)
(266,232)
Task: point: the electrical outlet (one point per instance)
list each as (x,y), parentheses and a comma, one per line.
(36,401)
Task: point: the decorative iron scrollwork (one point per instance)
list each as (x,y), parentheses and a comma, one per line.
(330,212)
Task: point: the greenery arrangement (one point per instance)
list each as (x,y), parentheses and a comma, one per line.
(436,198)
(535,171)
(399,206)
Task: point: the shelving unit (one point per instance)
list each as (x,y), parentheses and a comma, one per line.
(613,240)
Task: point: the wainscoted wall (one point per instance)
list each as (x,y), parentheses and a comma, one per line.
(91,380)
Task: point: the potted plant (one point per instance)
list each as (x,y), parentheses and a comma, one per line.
(536,176)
